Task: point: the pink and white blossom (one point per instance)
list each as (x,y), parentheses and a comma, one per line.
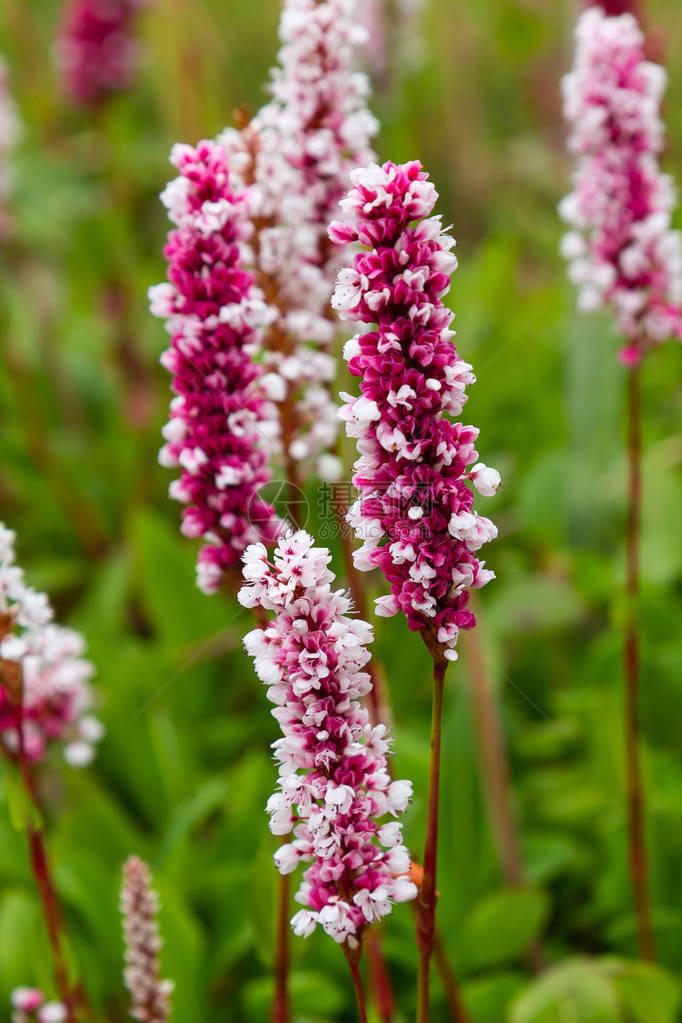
(297,154)
(43,672)
(415,512)
(334,787)
(150,995)
(29,1006)
(97,52)
(622,251)
(221,423)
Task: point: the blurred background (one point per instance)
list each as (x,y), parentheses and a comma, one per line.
(183,775)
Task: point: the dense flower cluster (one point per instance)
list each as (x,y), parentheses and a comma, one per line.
(96,51)
(334,785)
(622,251)
(415,513)
(150,996)
(9,133)
(297,154)
(30,1007)
(42,672)
(219,418)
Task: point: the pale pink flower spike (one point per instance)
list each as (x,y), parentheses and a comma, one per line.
(150,996)
(622,251)
(334,787)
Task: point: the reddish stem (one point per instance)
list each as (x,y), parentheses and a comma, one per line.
(631,661)
(427,892)
(353,960)
(281,1009)
(40,867)
(380,981)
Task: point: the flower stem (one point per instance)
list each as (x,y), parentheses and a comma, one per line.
(40,867)
(631,660)
(427,893)
(380,981)
(381,712)
(281,1010)
(353,960)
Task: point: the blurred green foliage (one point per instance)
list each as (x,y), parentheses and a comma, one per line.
(185,771)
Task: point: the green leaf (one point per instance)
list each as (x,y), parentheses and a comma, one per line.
(551,854)
(573,992)
(180,612)
(23,813)
(487,999)
(19,932)
(502,926)
(533,603)
(549,740)
(313,996)
(646,991)
(265,883)
(661,513)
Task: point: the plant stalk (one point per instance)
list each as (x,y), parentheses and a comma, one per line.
(281,1004)
(380,981)
(631,664)
(381,712)
(353,960)
(281,1009)
(40,867)
(427,892)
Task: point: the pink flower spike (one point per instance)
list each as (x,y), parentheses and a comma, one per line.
(296,156)
(96,52)
(220,421)
(55,693)
(415,511)
(150,996)
(621,249)
(334,787)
